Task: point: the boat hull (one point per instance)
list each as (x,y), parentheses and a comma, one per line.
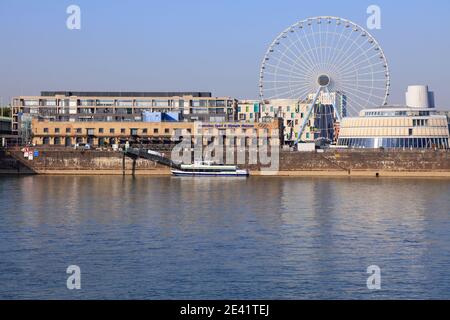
(179,173)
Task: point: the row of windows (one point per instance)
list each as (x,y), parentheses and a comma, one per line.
(251,116)
(393,122)
(396,113)
(276,109)
(416,143)
(68,141)
(248,109)
(112,102)
(242,116)
(134,131)
(420,122)
(386,113)
(102,130)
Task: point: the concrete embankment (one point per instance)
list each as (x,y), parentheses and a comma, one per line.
(10,165)
(396,163)
(364,163)
(72,162)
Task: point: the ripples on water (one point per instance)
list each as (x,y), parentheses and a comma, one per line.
(260,238)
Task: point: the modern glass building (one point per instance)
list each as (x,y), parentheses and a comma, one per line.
(395,127)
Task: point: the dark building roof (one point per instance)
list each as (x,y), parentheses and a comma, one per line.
(124,94)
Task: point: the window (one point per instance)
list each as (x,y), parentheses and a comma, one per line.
(68,130)
(111,130)
(31,102)
(161,103)
(87,102)
(49,103)
(166,130)
(45,130)
(122,130)
(144,103)
(144,131)
(100,130)
(124,103)
(78,130)
(410,132)
(56,130)
(105,102)
(420,122)
(155,130)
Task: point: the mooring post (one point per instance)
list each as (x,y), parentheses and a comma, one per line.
(123,164)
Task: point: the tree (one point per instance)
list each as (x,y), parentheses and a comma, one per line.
(5,112)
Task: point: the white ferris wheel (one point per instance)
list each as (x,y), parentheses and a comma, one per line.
(326,55)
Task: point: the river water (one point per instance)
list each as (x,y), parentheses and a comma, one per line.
(257,238)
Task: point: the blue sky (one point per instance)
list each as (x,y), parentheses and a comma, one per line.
(201,45)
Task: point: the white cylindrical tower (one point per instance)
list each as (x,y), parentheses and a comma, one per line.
(419,97)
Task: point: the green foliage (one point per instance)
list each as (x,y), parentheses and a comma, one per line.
(5,112)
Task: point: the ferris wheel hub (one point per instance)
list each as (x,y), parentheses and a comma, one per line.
(324,80)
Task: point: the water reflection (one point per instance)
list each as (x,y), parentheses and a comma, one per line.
(252,238)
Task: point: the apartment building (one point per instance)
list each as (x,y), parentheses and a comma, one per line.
(249,110)
(104,133)
(121,106)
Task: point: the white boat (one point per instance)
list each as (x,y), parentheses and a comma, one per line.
(208,169)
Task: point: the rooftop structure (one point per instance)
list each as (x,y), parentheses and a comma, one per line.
(419,97)
(124,94)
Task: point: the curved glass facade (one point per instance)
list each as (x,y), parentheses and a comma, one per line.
(396,143)
(395,128)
